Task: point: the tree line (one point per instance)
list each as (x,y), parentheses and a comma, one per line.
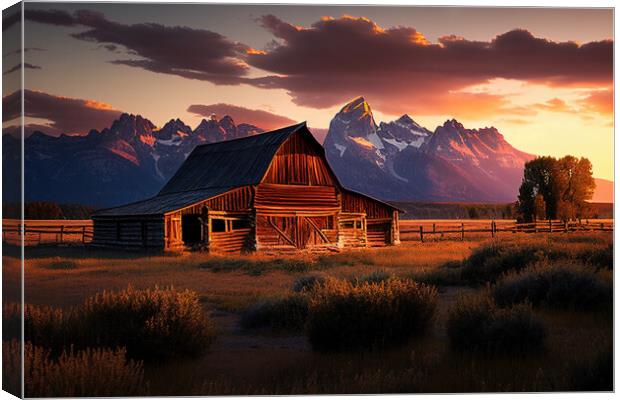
(556,189)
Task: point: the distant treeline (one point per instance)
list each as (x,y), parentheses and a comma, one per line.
(47,210)
(428,210)
(413,210)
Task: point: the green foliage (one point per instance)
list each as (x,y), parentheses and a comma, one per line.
(283,314)
(89,372)
(344,316)
(556,188)
(558,285)
(477,324)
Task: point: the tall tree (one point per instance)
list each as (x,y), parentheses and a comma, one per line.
(553,188)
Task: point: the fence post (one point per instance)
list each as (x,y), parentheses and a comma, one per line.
(462,231)
(433,227)
(83,234)
(62,230)
(421,234)
(492,229)
(565,226)
(550,227)
(602,226)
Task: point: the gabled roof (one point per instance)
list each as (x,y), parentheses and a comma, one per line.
(215,168)
(161,204)
(210,170)
(232,163)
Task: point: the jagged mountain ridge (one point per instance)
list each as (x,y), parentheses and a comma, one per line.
(127,162)
(401,160)
(398,160)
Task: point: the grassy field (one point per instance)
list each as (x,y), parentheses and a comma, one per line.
(264,361)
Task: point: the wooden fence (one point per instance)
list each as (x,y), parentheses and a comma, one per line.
(421,230)
(77,232)
(37,232)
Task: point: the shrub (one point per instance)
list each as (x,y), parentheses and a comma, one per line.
(61,265)
(346,316)
(48,327)
(285,314)
(256,267)
(373,277)
(151,324)
(12,367)
(487,263)
(307,282)
(600,257)
(477,324)
(557,285)
(11,320)
(89,372)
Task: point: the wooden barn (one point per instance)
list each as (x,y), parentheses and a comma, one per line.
(273,191)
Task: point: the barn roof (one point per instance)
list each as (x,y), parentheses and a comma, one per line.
(162,204)
(213,169)
(232,163)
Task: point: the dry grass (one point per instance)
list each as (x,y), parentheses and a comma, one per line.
(241,362)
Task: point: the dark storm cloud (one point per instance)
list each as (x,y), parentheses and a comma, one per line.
(176,50)
(260,118)
(19,66)
(66,115)
(336,59)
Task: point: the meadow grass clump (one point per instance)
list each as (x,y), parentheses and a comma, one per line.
(282,314)
(373,277)
(476,323)
(599,257)
(11,320)
(489,262)
(344,316)
(307,282)
(89,372)
(48,326)
(151,323)
(11,366)
(61,265)
(564,285)
(256,267)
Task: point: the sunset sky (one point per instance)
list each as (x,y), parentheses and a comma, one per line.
(543,77)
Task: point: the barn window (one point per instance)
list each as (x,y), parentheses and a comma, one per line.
(240,224)
(348,224)
(358,224)
(218,225)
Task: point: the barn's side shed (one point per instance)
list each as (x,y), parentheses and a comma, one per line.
(269,191)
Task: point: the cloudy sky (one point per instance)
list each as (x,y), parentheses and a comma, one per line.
(543,77)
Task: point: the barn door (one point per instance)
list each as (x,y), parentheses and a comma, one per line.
(298,231)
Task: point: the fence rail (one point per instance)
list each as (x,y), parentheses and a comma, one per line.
(422,230)
(37,232)
(68,232)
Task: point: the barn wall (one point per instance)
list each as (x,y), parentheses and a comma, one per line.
(239,199)
(129,232)
(299,162)
(291,199)
(355,203)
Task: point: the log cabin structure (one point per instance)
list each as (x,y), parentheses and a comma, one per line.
(272,191)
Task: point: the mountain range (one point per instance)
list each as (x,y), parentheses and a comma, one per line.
(399,160)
